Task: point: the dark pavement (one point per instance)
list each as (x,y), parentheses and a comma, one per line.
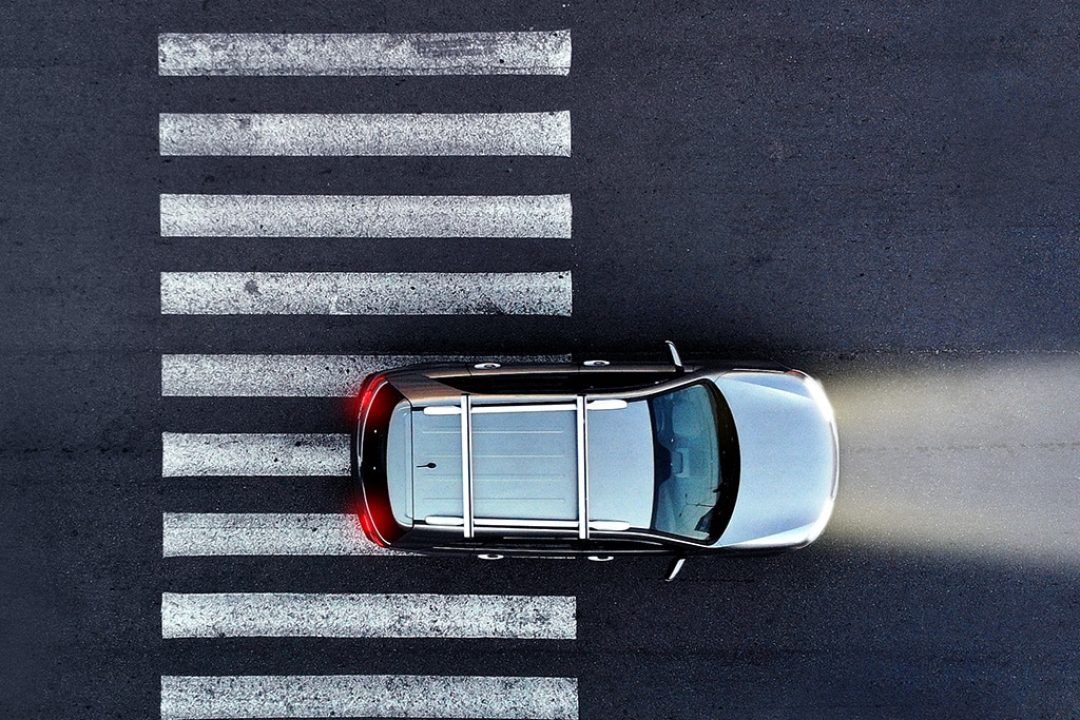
(886,197)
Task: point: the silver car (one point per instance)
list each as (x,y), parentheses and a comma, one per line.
(596,459)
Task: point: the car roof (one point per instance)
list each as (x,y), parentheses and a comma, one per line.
(461,433)
(501,465)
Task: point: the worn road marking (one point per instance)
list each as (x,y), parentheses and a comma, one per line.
(368,696)
(473,53)
(545,133)
(214,615)
(253,454)
(203,534)
(297,375)
(382,216)
(335,293)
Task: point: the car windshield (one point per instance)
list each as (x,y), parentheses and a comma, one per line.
(696,463)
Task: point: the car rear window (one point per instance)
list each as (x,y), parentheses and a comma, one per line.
(399,463)
(436,465)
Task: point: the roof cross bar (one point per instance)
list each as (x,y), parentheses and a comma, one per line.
(582,468)
(466,466)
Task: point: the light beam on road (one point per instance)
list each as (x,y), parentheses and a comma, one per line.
(967,456)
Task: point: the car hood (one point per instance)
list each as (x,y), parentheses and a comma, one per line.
(788,459)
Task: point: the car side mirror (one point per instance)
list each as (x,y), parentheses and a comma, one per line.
(674,568)
(676,359)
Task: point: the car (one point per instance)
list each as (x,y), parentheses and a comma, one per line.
(596,459)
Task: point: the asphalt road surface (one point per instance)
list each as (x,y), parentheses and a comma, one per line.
(885,195)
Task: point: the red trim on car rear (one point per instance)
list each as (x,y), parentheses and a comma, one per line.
(368,527)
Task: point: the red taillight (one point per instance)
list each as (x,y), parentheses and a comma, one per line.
(369,392)
(358,403)
(369,528)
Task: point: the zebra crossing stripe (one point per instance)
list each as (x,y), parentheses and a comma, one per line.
(368,696)
(430,134)
(297,375)
(262,534)
(468,53)
(217,615)
(379,216)
(338,293)
(254,454)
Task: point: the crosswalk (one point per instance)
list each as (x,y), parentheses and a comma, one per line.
(220,458)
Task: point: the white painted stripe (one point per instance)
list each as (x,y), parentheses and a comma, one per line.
(382,216)
(297,375)
(545,133)
(204,534)
(520,617)
(475,53)
(260,534)
(248,454)
(367,696)
(333,293)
